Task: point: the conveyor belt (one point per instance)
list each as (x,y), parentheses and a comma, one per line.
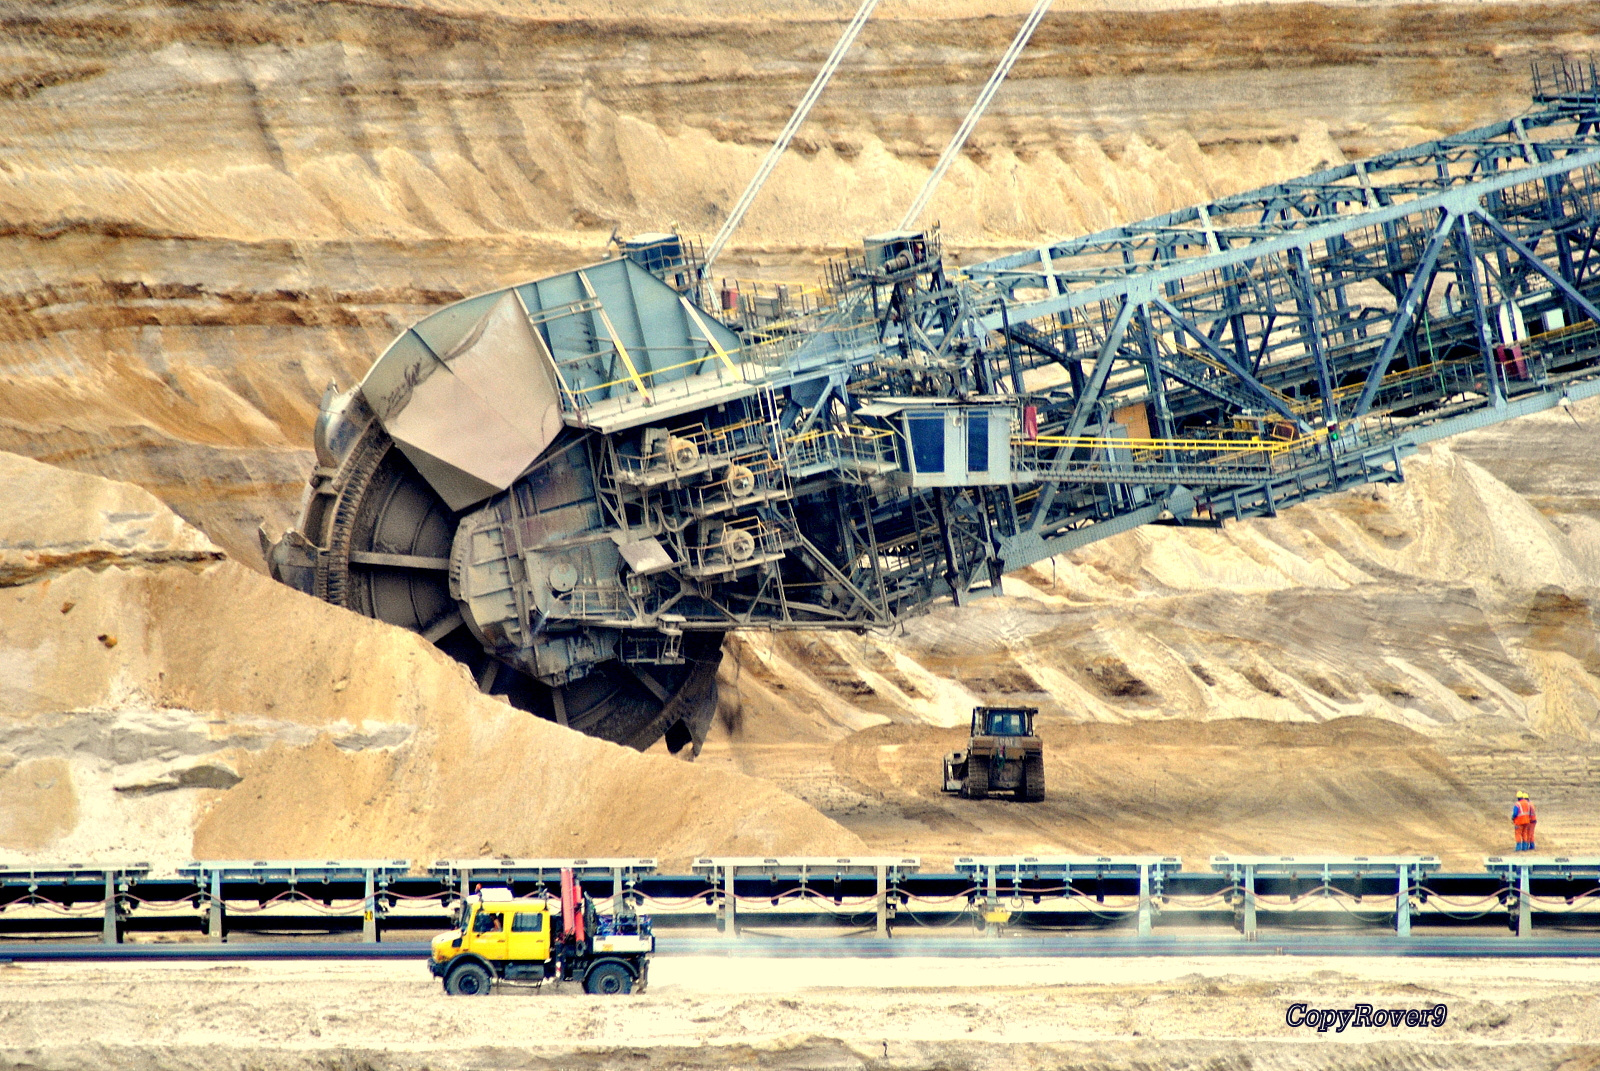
(1041,900)
(862,948)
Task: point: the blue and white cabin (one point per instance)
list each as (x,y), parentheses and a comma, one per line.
(949,442)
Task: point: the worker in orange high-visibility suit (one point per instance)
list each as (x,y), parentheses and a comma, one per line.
(1523,819)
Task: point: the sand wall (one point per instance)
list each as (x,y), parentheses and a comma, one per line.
(161,703)
(1435,603)
(1375,672)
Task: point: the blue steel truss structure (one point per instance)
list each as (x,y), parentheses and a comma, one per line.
(1354,313)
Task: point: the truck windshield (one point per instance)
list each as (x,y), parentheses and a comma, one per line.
(1005,723)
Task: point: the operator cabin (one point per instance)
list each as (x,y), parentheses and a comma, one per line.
(948,442)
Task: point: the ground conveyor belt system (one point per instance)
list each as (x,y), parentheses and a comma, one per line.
(1110,902)
(579,484)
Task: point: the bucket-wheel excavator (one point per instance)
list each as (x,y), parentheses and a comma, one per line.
(577,485)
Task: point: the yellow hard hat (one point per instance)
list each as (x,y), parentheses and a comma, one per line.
(1522,795)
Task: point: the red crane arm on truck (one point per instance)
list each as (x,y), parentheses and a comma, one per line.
(571,906)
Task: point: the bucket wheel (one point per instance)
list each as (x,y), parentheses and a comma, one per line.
(386,538)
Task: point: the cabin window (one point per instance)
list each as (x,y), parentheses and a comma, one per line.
(927,441)
(978,442)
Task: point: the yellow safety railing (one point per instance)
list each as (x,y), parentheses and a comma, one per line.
(1582,327)
(854,442)
(1225,452)
(1220,446)
(642,377)
(751,362)
(725,439)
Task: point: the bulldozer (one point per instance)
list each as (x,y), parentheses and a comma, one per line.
(1003,755)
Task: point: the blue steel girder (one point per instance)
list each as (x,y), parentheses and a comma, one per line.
(1533,261)
(1173,272)
(1383,181)
(1421,279)
(1305,313)
(1266,397)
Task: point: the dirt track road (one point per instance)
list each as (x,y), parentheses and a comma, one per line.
(705,1013)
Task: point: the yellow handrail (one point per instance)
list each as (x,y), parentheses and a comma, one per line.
(1220,446)
(616,339)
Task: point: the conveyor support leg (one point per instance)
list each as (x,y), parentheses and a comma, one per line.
(1249,903)
(1524,904)
(1402,903)
(1144,900)
(110,934)
(218,912)
(369,913)
(883,900)
(992,901)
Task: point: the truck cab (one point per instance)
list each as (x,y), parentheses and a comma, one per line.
(502,938)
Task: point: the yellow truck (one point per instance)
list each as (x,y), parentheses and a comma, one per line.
(531,940)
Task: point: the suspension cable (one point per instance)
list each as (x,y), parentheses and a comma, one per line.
(979,106)
(775,153)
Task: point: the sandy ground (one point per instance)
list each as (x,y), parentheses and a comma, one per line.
(835,1013)
(127,731)
(1376,672)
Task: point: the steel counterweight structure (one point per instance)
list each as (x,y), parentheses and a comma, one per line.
(579,484)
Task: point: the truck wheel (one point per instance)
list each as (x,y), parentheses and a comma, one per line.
(977,786)
(608,979)
(468,980)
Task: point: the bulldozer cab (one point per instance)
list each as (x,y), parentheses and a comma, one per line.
(1003,721)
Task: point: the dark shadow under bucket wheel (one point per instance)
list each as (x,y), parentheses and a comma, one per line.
(389,549)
